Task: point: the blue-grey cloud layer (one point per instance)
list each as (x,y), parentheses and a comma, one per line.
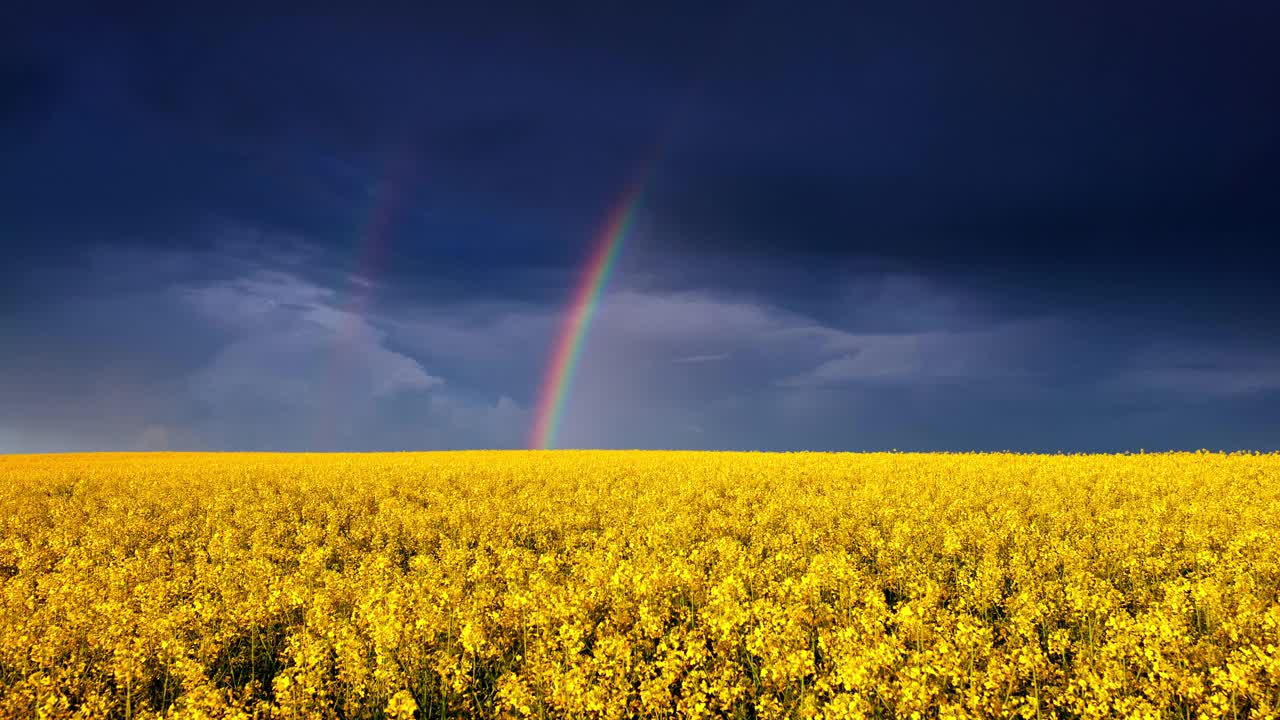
(915,226)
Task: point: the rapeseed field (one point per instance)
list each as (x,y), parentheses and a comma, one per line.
(584,584)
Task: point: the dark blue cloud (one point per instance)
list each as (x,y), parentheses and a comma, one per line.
(913,224)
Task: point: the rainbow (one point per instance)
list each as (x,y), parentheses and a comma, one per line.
(370,248)
(586,299)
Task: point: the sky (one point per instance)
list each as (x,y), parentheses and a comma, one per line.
(911,225)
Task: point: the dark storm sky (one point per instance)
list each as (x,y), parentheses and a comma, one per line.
(914,225)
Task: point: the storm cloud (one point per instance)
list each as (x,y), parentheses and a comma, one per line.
(911,225)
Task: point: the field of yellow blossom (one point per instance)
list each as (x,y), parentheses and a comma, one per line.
(590,584)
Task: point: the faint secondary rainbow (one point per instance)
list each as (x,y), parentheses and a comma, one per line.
(557,381)
(370,248)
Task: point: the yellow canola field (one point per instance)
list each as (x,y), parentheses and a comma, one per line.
(629,584)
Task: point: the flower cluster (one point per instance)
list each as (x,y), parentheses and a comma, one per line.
(632,585)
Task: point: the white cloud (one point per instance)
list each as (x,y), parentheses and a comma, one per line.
(501,418)
(644,316)
(262,300)
(694,359)
(910,303)
(265,352)
(300,371)
(896,357)
(295,346)
(1006,350)
(478,335)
